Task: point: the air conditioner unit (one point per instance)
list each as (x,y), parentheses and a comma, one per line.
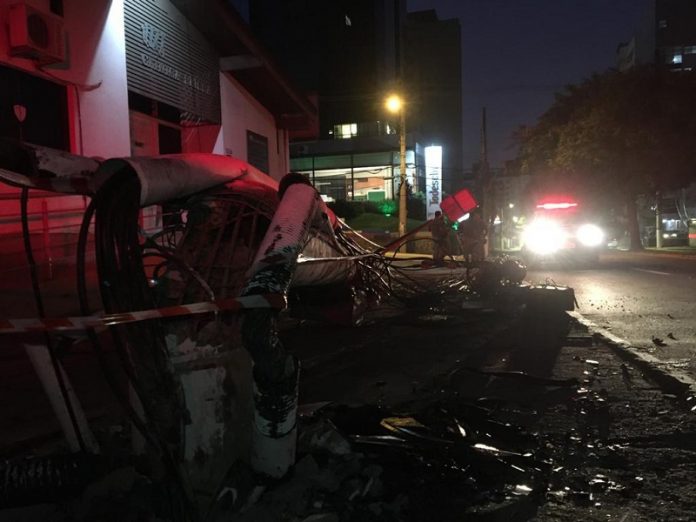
(35,34)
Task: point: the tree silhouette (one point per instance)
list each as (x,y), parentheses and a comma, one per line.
(616,136)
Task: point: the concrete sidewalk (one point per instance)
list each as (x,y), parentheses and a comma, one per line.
(681,251)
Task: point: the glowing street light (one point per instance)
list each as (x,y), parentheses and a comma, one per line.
(395,104)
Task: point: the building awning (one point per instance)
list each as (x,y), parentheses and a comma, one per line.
(245,60)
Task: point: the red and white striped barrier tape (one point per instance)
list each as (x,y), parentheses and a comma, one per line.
(64,324)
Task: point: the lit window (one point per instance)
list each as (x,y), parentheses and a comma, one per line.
(691,49)
(677,59)
(345,130)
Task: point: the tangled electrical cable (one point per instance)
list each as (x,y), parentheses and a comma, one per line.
(387,276)
(201,251)
(124,288)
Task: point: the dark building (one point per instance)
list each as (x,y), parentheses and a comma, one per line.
(675,34)
(667,38)
(346,51)
(640,50)
(675,48)
(351,54)
(433,70)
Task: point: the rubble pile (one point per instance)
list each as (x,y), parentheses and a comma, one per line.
(435,462)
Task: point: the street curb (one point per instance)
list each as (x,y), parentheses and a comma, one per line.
(672,381)
(648,254)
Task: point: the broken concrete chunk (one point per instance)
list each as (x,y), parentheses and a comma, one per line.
(309,410)
(323,435)
(307,467)
(322,517)
(291,496)
(372,470)
(259,513)
(328,480)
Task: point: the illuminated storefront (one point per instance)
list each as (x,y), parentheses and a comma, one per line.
(373,176)
(361,176)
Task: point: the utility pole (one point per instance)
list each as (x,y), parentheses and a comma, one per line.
(403,207)
(396,103)
(403,193)
(484,178)
(658,219)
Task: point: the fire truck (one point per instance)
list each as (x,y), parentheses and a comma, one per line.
(561,230)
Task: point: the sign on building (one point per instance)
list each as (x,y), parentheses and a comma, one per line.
(433,179)
(168,60)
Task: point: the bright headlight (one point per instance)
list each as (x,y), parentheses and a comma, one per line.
(544,237)
(590,235)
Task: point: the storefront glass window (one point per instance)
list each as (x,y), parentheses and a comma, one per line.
(345,130)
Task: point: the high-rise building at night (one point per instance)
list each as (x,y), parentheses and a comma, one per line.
(351,55)
(675,34)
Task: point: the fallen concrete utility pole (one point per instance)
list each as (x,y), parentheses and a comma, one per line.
(276,373)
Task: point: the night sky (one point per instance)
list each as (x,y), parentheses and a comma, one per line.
(517,53)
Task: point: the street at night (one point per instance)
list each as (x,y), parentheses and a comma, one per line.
(618,440)
(347,261)
(644,299)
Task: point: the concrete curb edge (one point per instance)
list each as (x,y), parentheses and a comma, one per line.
(673,381)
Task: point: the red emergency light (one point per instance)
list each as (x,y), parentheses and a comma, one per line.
(557,206)
(557,201)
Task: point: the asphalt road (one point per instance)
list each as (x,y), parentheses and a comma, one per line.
(648,300)
(614,429)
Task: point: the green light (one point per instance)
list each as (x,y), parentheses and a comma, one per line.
(387,207)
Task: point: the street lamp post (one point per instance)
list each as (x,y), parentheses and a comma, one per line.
(395,104)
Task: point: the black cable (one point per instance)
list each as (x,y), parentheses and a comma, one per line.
(124,288)
(81,254)
(41,312)
(92,334)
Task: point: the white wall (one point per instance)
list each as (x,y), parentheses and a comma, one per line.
(98,67)
(241,112)
(94,73)
(95,76)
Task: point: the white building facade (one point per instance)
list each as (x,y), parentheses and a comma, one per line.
(138,77)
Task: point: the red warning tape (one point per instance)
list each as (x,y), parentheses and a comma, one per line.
(63,324)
